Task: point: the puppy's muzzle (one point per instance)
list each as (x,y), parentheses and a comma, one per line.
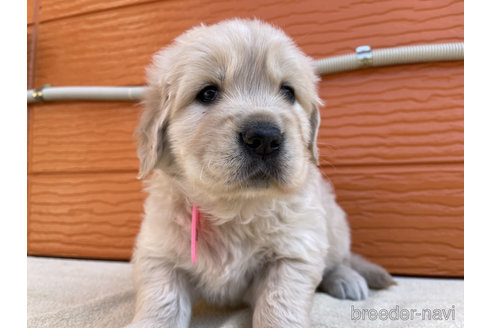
(261,139)
(262,147)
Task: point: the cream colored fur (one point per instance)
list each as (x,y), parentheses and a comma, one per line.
(268,246)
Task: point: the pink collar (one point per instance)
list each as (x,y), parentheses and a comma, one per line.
(195,218)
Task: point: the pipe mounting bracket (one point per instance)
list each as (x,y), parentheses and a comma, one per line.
(364,56)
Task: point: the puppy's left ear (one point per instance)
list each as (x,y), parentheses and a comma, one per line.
(314,121)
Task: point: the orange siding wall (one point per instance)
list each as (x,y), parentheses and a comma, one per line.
(391,139)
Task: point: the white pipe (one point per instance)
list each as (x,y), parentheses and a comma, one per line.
(362,58)
(86,93)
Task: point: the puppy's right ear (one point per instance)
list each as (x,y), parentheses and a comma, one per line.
(151,130)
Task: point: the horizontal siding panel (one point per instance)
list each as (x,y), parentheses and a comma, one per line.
(405,114)
(56,9)
(113,46)
(84,137)
(84,215)
(408,219)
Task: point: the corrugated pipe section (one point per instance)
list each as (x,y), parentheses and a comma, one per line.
(48,93)
(363,57)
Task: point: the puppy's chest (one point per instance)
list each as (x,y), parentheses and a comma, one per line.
(234,245)
(228,259)
(231,255)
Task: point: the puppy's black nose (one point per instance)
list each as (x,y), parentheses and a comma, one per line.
(263,138)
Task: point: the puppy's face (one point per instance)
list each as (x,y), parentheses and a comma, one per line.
(231,109)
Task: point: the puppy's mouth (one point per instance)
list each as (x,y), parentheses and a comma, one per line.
(260,174)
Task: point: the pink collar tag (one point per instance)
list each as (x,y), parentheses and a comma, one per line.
(195,217)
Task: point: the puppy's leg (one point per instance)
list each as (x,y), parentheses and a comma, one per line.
(163,295)
(344,283)
(283,294)
(375,276)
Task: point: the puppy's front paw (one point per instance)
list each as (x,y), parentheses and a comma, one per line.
(344,283)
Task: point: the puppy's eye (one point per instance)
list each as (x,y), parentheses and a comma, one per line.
(288,93)
(208,95)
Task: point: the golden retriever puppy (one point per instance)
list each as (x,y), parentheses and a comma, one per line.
(229,127)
